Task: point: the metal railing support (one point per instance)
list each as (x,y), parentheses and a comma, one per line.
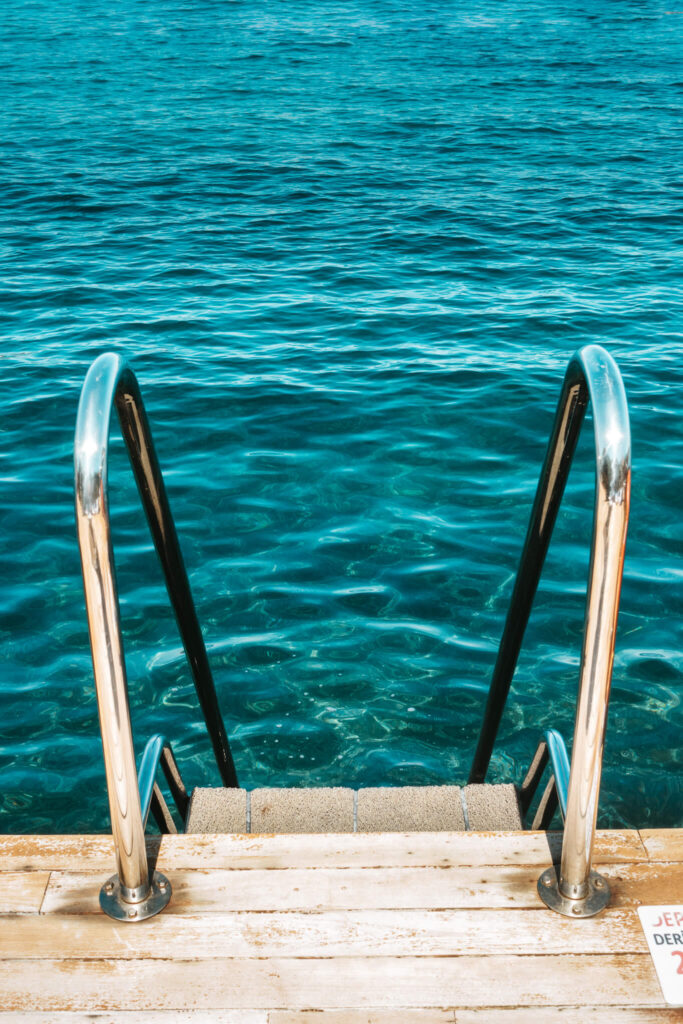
(591,374)
(131,895)
(158,753)
(551,750)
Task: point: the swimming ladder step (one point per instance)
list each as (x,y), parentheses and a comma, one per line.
(477,808)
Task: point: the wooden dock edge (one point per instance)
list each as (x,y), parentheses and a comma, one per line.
(426,928)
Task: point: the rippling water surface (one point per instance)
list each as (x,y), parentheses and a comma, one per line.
(349,249)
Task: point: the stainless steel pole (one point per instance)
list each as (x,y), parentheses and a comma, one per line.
(579,891)
(130,895)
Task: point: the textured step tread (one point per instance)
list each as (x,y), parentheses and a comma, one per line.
(336,809)
(301,810)
(410,809)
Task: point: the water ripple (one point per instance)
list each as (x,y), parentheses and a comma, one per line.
(349,250)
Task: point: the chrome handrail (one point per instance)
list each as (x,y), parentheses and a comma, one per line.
(591,374)
(560,766)
(111,382)
(551,750)
(158,752)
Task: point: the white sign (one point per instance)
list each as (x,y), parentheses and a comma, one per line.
(663,927)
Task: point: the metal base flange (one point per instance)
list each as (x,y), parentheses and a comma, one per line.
(115,906)
(596,900)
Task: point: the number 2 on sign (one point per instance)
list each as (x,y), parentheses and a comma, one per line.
(680,961)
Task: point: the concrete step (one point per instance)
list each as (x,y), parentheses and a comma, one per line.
(401,809)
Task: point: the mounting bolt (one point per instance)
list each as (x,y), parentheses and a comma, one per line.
(162,885)
(132,913)
(576,910)
(598,883)
(109,887)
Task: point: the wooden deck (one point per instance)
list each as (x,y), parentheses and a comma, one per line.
(432,928)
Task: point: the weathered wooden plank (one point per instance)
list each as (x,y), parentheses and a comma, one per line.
(336,933)
(301,984)
(663,843)
(137,1017)
(22,892)
(500,887)
(486,1015)
(43,853)
(567,1015)
(181,852)
(643,883)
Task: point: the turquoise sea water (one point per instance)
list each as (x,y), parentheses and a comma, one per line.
(349,249)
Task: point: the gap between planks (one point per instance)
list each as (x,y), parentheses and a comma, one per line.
(22,892)
(663,844)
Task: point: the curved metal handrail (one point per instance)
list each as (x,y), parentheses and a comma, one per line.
(159,752)
(591,374)
(111,382)
(551,750)
(560,767)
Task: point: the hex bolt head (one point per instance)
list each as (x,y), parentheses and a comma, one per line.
(132,913)
(576,910)
(109,887)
